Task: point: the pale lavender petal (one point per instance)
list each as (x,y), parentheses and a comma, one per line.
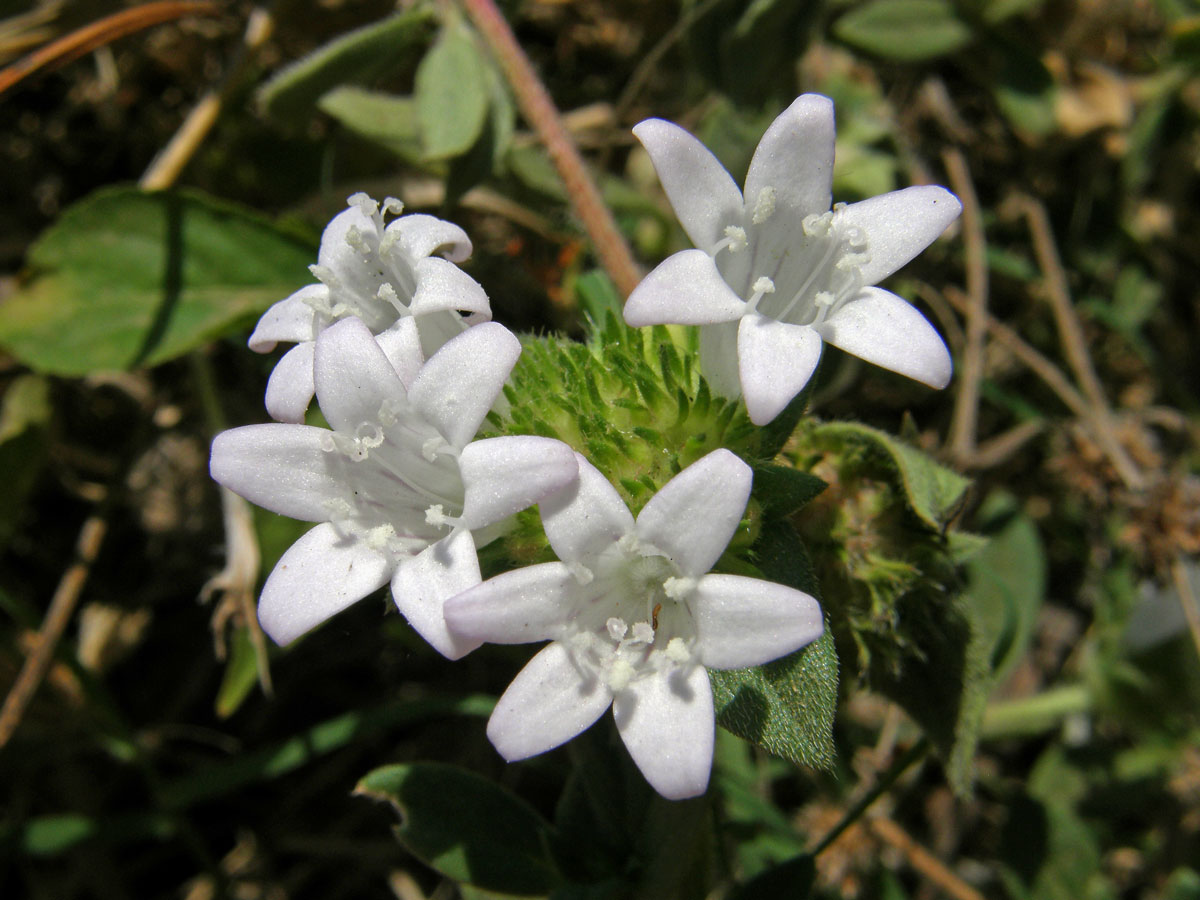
(900,225)
(290,320)
(320,575)
(547,704)
(747,622)
(504,475)
(794,159)
(459,383)
(704,196)
(527,604)
(282,468)
(666,721)
(421,235)
(586,517)
(685,288)
(354,376)
(423,583)
(401,344)
(290,388)
(695,514)
(887,330)
(775,362)
(443,286)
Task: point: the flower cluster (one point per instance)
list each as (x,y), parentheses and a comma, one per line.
(404,486)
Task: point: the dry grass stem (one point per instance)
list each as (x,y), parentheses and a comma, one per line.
(922,860)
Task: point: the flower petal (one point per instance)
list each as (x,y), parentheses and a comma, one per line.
(517,607)
(291,386)
(422,235)
(401,344)
(459,383)
(320,575)
(718,359)
(354,376)
(747,622)
(666,722)
(584,518)
(704,196)
(423,583)
(775,362)
(795,159)
(695,514)
(547,704)
(278,467)
(900,225)
(441,285)
(289,320)
(504,475)
(887,330)
(685,288)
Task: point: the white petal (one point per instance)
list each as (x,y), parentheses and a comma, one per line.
(524,605)
(401,344)
(666,721)
(547,704)
(887,330)
(685,288)
(584,518)
(504,475)
(320,575)
(421,236)
(354,376)
(695,514)
(442,286)
(459,383)
(718,359)
(437,329)
(290,320)
(336,252)
(747,622)
(278,467)
(423,583)
(795,159)
(291,386)
(900,225)
(703,194)
(775,362)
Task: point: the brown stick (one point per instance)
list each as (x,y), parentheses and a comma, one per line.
(922,860)
(62,605)
(538,108)
(965,423)
(97,34)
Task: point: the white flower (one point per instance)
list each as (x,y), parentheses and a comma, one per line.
(634,620)
(777,271)
(402,492)
(383,275)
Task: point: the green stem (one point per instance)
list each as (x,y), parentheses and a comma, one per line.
(882,786)
(539,110)
(1034,715)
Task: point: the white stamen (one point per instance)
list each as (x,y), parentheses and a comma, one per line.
(678,588)
(616,628)
(764,206)
(677,651)
(581,573)
(643,633)
(619,675)
(436,516)
(379,537)
(735,235)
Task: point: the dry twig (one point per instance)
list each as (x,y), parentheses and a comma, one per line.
(922,860)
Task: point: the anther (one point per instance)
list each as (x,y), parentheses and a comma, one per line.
(764,206)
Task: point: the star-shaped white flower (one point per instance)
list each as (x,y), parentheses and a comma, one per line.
(634,621)
(777,272)
(402,491)
(386,276)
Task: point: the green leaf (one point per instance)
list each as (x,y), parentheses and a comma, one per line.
(127,278)
(1006,586)
(384,119)
(355,56)
(904,30)
(452,94)
(787,706)
(782,490)
(792,879)
(24,420)
(467,827)
(1025,91)
(933,492)
(241,674)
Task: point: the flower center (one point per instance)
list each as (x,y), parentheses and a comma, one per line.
(796,275)
(634,619)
